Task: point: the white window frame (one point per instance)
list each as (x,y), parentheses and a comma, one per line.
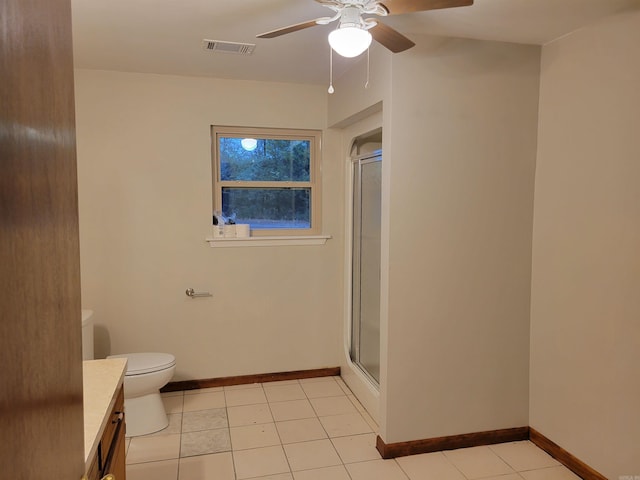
(314,183)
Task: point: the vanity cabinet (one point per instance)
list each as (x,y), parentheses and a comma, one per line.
(110,455)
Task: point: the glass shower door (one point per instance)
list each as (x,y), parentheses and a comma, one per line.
(365,312)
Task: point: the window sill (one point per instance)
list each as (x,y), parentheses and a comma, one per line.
(268,241)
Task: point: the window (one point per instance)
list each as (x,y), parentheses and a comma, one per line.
(268,178)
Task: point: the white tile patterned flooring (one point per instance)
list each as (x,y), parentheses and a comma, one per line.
(312,429)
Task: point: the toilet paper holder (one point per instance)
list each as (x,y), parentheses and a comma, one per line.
(190,292)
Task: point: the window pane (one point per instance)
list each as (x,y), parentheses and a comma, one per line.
(268,207)
(264,160)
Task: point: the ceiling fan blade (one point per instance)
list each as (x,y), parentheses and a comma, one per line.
(330,3)
(390,38)
(289,29)
(398,7)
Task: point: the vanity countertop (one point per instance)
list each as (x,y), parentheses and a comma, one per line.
(102,380)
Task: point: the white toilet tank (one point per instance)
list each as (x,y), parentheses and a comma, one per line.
(87,334)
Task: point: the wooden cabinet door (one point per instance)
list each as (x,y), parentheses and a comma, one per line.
(118,466)
(41,418)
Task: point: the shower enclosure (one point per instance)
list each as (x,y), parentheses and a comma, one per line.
(365,305)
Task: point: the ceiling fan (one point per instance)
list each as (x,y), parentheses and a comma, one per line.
(355,32)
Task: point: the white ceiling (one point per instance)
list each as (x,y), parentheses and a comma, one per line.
(164,36)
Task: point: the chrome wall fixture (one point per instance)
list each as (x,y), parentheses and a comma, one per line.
(190,292)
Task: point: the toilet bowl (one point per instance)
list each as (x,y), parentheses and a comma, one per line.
(146,374)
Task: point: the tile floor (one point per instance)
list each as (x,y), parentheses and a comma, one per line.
(311,429)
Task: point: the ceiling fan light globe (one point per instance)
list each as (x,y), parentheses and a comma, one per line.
(349,41)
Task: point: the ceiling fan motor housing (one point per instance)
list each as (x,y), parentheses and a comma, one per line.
(351,17)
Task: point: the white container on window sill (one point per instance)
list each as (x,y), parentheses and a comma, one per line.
(243,230)
(240,230)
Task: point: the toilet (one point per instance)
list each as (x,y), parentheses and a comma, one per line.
(146,374)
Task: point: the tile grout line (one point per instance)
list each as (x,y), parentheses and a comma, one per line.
(276,427)
(180,447)
(233,458)
(317,417)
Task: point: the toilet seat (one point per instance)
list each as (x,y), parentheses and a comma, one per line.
(141,363)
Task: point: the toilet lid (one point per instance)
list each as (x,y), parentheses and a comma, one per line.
(139,363)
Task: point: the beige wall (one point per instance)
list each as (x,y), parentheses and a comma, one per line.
(144,164)
(464,119)
(585,311)
(459,143)
(352,100)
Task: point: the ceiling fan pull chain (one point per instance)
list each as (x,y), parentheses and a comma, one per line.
(366,85)
(331,89)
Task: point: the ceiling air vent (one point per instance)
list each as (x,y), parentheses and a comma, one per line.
(228,47)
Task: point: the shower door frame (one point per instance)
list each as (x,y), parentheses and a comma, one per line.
(357,161)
